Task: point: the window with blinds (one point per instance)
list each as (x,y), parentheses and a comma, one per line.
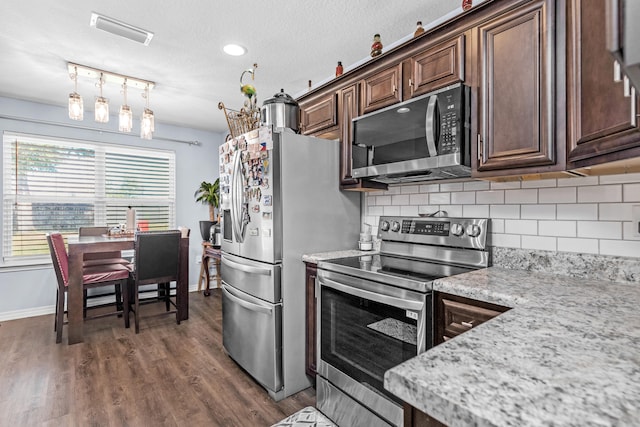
(52,184)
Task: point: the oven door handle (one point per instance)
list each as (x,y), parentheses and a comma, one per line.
(402,303)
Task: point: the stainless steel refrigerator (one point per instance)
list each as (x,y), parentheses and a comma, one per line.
(280,199)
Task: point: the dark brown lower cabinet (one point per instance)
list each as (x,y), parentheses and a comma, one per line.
(310,348)
(416,418)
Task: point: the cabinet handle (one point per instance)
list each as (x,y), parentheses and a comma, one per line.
(395,89)
(468,324)
(627,86)
(410,83)
(634,116)
(617,72)
(479,148)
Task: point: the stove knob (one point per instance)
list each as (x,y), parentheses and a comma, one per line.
(384,226)
(395,226)
(473,230)
(457,230)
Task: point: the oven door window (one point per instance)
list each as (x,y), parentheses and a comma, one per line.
(363,338)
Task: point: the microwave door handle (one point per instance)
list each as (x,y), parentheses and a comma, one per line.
(430,124)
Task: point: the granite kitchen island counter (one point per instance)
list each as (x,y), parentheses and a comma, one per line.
(566,354)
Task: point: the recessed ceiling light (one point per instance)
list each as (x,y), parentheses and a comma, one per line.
(234,50)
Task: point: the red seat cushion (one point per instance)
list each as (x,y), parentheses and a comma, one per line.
(103,273)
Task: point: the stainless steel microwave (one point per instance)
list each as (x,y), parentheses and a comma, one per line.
(424,138)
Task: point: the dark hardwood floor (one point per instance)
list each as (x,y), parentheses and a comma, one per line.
(168,375)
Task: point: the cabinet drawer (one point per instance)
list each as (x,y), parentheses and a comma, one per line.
(460,317)
(319,114)
(437,66)
(381,89)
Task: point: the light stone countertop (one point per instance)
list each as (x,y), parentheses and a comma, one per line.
(566,354)
(315,258)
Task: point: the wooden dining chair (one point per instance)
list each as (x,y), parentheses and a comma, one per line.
(157,261)
(92,277)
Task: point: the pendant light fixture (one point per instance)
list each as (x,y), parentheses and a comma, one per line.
(76,107)
(147,125)
(102,104)
(125,118)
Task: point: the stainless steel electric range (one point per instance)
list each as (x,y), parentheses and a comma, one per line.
(375,311)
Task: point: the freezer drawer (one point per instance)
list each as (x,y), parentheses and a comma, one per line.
(258,279)
(252,336)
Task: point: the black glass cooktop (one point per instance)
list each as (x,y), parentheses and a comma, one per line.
(393,270)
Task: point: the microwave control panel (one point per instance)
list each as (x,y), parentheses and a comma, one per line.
(452,117)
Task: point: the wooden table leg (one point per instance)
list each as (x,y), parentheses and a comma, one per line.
(75,298)
(182,292)
(205,262)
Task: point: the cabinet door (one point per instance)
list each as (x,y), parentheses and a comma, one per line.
(602,121)
(348,108)
(516,99)
(310,350)
(437,66)
(381,89)
(455,315)
(319,114)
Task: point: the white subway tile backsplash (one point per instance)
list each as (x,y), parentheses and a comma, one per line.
(410,189)
(521,196)
(440,198)
(418,199)
(587,246)
(477,211)
(400,199)
(600,194)
(463,198)
(558,195)
(557,228)
(476,185)
(538,212)
(453,186)
(392,210)
(519,226)
(505,211)
(409,210)
(626,248)
(542,183)
(600,229)
(492,197)
(539,243)
(582,215)
(496,225)
(452,210)
(631,192)
(578,182)
(620,179)
(505,240)
(507,185)
(429,188)
(614,212)
(585,212)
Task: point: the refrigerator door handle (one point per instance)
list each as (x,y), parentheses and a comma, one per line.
(246,304)
(236,197)
(246,268)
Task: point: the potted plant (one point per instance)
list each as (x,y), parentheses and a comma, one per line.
(208,194)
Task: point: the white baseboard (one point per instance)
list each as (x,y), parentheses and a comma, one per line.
(51,309)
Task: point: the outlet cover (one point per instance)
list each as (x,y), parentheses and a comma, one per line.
(635,220)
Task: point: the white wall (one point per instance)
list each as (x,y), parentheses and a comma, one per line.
(31,291)
(579,215)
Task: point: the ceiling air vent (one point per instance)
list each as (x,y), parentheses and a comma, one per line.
(120,28)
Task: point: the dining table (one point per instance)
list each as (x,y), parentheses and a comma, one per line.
(78,246)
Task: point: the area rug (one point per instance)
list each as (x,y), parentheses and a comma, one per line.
(306,417)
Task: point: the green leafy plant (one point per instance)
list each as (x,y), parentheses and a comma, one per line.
(209,194)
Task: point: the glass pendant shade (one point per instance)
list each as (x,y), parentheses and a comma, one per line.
(102,110)
(76,107)
(125,122)
(147,126)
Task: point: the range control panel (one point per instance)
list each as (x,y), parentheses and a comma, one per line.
(458,232)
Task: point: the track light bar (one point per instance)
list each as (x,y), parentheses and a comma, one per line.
(120,28)
(109,77)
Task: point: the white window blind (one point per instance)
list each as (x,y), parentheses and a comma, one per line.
(54,184)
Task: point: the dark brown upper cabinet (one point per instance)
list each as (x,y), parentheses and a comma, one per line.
(603,122)
(382,89)
(438,66)
(319,115)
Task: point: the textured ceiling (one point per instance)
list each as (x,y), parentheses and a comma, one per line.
(292,42)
